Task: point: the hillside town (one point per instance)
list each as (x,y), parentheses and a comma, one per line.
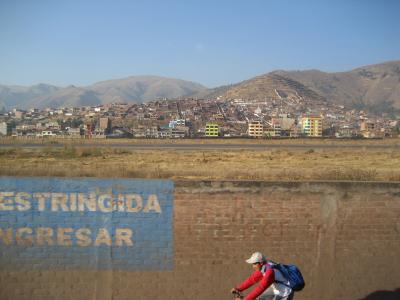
(280,117)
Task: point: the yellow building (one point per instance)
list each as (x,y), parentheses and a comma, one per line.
(312,126)
(255,129)
(212,130)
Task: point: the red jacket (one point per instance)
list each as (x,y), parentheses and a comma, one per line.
(264,282)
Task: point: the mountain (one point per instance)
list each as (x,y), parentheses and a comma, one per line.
(214,92)
(270,86)
(144,88)
(70,96)
(17,96)
(375,87)
(131,90)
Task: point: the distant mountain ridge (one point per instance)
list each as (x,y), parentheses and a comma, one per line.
(374,87)
(17,96)
(132,89)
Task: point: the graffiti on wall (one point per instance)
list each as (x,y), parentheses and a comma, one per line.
(86,223)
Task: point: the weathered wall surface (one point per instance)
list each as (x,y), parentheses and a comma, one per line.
(115,224)
(344,236)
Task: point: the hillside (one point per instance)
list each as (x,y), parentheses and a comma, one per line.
(375,87)
(271,86)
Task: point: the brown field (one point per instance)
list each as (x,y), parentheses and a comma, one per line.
(223,141)
(71,160)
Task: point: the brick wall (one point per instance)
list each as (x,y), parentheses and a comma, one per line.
(344,236)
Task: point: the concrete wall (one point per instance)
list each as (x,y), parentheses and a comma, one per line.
(345,237)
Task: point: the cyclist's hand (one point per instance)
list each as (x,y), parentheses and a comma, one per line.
(238,298)
(233,290)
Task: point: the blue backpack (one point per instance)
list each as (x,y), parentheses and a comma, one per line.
(292,274)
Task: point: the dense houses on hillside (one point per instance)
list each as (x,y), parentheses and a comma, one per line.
(192,118)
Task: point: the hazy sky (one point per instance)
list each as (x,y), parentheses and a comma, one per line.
(211,42)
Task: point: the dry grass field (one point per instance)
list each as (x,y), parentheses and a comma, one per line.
(219,141)
(71,160)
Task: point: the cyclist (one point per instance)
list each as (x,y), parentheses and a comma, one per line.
(271,283)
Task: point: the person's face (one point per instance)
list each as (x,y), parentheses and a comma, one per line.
(257,266)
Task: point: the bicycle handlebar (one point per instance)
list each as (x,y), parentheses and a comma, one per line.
(237,294)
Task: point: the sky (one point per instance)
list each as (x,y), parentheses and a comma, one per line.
(213,43)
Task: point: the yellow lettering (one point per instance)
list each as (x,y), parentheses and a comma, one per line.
(105,203)
(123,235)
(63,239)
(59,200)
(132,199)
(83,237)
(22,201)
(73,205)
(41,198)
(84,201)
(24,236)
(6,204)
(6,235)
(152,204)
(103,237)
(44,235)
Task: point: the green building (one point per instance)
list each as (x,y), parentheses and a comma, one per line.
(211,130)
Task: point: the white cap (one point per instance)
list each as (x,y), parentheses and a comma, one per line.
(255,258)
